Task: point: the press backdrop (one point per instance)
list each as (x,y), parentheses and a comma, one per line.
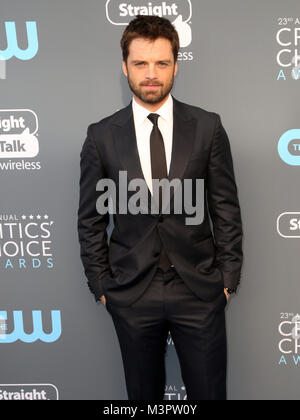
(61,71)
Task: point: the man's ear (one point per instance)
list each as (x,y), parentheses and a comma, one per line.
(124,66)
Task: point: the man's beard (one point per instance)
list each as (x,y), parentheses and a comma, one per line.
(149,96)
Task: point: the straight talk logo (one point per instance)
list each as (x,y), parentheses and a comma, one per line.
(180,13)
(28,392)
(188,197)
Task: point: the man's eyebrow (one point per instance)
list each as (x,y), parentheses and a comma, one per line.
(159,61)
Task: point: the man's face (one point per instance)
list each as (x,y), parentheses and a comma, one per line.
(150,69)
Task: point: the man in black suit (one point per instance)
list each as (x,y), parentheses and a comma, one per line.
(160,274)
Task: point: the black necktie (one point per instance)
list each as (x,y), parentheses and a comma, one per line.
(159,171)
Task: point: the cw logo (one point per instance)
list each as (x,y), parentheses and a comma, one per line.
(38,332)
(286,147)
(13,49)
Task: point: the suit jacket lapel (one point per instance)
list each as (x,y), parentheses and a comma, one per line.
(184,130)
(126,146)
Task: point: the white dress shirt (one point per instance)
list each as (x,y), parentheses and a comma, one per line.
(143,129)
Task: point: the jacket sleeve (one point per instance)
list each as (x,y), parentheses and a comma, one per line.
(224,208)
(92,227)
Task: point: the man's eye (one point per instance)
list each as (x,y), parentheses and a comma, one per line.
(139,64)
(163,64)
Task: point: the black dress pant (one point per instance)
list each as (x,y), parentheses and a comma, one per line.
(198,332)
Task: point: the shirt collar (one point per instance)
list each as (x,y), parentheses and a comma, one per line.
(165,111)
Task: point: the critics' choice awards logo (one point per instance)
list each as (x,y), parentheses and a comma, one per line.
(289,343)
(28,392)
(12,328)
(18,139)
(175,392)
(179,12)
(9,39)
(288,41)
(26,242)
(289,147)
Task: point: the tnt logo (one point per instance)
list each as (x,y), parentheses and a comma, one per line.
(289,147)
(179,12)
(18,129)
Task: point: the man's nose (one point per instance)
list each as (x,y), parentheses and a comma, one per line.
(151,72)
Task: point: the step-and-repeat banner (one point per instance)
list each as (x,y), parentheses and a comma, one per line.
(60,70)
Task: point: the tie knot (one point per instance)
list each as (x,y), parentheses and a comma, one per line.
(154,118)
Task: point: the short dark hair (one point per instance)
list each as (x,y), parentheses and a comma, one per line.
(152,28)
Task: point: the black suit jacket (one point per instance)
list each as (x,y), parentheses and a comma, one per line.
(208,256)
